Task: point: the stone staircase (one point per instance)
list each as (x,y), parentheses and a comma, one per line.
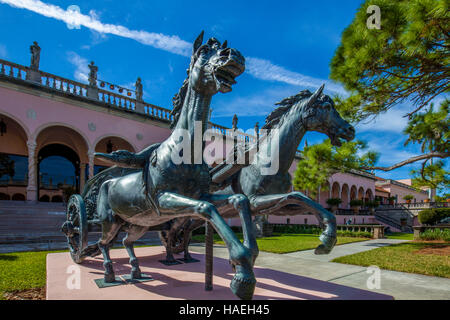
(394,217)
(27,225)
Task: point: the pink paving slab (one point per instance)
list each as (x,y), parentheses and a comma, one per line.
(184,281)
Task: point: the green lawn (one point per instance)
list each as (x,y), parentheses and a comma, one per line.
(285,242)
(400,235)
(406,258)
(22,270)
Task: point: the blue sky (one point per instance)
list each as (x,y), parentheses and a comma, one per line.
(288,47)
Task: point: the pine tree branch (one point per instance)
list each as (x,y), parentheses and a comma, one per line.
(411,160)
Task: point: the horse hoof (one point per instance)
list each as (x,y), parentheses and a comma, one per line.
(110,277)
(135,274)
(328,243)
(242,287)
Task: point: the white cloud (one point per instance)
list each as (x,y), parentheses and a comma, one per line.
(259,68)
(390,121)
(169,43)
(266,70)
(81,72)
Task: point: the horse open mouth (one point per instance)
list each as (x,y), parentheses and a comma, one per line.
(337,140)
(227,73)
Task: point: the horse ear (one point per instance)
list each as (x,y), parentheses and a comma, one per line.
(198,42)
(316,95)
(224,44)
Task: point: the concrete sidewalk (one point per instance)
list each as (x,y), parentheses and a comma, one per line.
(345,250)
(400,285)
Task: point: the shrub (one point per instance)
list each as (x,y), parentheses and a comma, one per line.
(355,234)
(435,234)
(408,197)
(433,216)
(296,228)
(372,204)
(356,202)
(334,201)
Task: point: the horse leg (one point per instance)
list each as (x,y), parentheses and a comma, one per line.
(242,205)
(110,228)
(243,283)
(193,224)
(109,233)
(134,233)
(269,204)
(170,259)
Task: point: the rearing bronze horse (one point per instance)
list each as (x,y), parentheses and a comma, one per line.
(166,190)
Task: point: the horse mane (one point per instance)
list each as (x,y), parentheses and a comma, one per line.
(177,102)
(284,105)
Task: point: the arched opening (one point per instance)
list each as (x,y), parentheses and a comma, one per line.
(369,195)
(335,190)
(58,168)
(4,196)
(44,198)
(361,193)
(13,157)
(18,197)
(345,196)
(60,153)
(353,193)
(107,145)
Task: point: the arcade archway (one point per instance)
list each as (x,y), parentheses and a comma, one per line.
(58,169)
(13,159)
(109,144)
(61,153)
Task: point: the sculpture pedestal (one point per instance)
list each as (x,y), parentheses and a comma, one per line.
(182,281)
(33,75)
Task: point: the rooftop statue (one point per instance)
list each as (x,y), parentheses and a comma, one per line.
(138,201)
(35,56)
(139,90)
(93,69)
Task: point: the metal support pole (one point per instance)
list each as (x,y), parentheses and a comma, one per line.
(209,237)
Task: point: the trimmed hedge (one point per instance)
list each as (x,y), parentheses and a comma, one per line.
(356,234)
(433,216)
(296,228)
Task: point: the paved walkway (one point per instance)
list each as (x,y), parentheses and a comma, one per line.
(400,285)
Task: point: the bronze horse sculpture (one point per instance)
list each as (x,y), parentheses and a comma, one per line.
(271,194)
(164,190)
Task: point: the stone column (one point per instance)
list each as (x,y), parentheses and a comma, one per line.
(32,170)
(91,163)
(82,176)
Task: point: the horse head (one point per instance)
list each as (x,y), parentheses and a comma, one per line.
(214,66)
(320,115)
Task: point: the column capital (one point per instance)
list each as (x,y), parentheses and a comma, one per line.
(31,144)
